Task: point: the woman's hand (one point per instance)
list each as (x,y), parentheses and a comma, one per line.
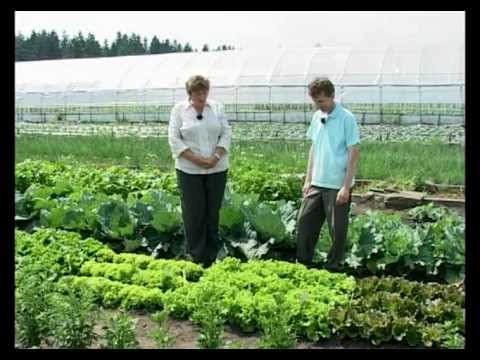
(211,162)
(207,163)
(201,161)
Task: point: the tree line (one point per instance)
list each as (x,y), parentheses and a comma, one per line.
(45,45)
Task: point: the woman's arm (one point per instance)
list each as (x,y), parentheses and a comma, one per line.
(198,160)
(177,146)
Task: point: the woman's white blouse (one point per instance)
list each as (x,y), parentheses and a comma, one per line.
(185,131)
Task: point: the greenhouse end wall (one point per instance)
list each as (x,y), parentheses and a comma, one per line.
(371,104)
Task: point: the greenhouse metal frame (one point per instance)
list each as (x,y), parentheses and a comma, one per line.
(400,86)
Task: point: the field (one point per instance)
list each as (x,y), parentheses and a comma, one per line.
(452,134)
(99,234)
(405,162)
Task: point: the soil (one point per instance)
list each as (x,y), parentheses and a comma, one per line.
(362,206)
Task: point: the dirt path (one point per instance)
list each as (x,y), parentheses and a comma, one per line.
(361,207)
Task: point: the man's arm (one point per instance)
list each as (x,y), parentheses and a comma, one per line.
(344,193)
(308,178)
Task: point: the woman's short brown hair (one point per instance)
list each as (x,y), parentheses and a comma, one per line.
(321,85)
(197,82)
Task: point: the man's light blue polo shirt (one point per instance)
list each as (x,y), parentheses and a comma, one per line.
(331,141)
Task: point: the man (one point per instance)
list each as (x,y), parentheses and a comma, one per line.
(331,169)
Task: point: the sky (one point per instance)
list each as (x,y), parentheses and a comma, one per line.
(259,29)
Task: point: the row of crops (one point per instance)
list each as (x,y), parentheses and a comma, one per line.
(453,109)
(254,131)
(139,211)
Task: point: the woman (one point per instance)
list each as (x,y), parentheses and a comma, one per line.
(199,137)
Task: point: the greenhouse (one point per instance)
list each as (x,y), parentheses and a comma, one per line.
(383,85)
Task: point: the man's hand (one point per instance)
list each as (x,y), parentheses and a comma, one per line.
(343,196)
(306,188)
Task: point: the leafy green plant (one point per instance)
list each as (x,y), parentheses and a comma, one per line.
(428,213)
(245,291)
(115,219)
(116,272)
(161,335)
(385,309)
(277,332)
(208,315)
(73,319)
(120,332)
(382,244)
(32,310)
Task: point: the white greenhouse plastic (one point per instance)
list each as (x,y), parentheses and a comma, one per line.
(267,85)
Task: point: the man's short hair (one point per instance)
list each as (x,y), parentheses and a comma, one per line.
(321,85)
